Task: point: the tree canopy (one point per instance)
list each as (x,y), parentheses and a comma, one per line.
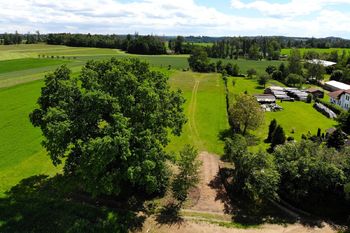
(246,112)
(109,126)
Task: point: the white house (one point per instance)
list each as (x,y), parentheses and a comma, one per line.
(340,98)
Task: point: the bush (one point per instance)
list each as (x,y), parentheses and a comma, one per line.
(309,98)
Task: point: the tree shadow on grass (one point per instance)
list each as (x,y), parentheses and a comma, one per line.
(226,133)
(43,204)
(170,215)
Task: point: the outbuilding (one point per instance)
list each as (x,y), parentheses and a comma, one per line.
(316,92)
(336,86)
(265,98)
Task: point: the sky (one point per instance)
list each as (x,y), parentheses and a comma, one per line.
(306,18)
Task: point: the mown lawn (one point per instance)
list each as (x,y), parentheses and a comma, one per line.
(299,117)
(205,109)
(21,154)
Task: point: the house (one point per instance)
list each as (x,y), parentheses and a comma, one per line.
(340,98)
(316,92)
(336,86)
(265,98)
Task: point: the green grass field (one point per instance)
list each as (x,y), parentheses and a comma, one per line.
(205,109)
(21,70)
(27,63)
(303,50)
(21,154)
(299,117)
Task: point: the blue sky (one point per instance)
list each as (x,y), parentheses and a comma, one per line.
(317,18)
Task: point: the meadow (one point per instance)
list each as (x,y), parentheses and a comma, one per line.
(328,50)
(205,109)
(21,154)
(21,74)
(296,118)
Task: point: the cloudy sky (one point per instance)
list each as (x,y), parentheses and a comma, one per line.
(318,18)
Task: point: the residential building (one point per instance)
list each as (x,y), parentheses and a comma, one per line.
(341,98)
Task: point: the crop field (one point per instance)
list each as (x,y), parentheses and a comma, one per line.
(329,50)
(205,109)
(296,118)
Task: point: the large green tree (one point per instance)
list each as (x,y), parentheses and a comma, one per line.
(188,174)
(199,60)
(256,176)
(109,126)
(246,112)
(294,62)
(309,171)
(315,71)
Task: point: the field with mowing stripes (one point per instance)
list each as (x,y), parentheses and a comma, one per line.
(205,109)
(21,154)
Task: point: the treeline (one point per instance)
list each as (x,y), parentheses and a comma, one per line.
(199,62)
(285,42)
(256,48)
(16,38)
(131,44)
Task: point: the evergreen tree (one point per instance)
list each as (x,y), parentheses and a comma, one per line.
(272,128)
(278,137)
(336,139)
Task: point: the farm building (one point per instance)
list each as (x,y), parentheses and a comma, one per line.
(316,92)
(265,98)
(340,98)
(287,93)
(322,62)
(336,86)
(278,92)
(298,94)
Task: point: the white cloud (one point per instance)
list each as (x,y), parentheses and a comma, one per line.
(170,17)
(290,9)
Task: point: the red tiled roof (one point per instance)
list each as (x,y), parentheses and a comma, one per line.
(337,94)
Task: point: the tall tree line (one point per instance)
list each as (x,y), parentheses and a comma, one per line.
(131,43)
(17,38)
(252,48)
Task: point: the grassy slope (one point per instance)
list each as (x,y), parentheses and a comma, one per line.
(205,109)
(300,116)
(21,154)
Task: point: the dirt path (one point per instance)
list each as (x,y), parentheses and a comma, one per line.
(212,195)
(190,226)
